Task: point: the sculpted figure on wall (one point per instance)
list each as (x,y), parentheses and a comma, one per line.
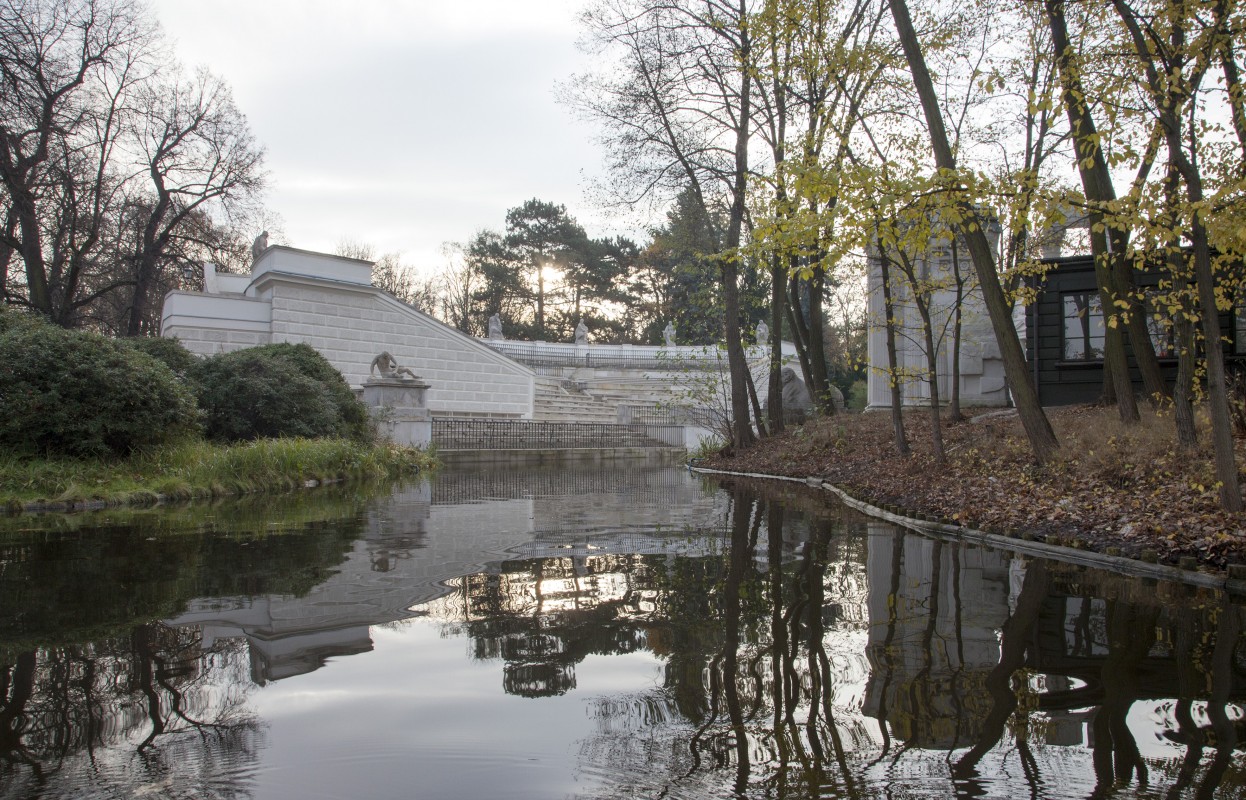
(495,327)
(581,333)
(763,333)
(388,367)
(669,334)
(259,246)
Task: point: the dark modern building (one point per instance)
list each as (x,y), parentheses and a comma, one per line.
(1065,335)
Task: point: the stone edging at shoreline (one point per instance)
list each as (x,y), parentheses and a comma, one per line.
(1233,584)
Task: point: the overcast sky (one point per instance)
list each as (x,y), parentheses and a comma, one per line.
(400,123)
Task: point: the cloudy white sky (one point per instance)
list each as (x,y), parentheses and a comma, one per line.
(400,123)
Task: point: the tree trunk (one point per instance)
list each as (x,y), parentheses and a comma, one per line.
(31,250)
(932,379)
(893,376)
(954,412)
(1170,96)
(1235,92)
(757,412)
(1217,387)
(820,381)
(1042,438)
(800,331)
(540,303)
(1097,185)
(778,301)
(1183,325)
(742,431)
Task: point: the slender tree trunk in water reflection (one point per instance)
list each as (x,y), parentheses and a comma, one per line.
(1131,633)
(958,553)
(1186,635)
(778,638)
(144,675)
(1017,634)
(1221,686)
(918,686)
(741,555)
(16,689)
(823,689)
(888,654)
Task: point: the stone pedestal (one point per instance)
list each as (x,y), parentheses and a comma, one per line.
(400,409)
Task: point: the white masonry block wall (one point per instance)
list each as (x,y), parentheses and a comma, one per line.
(327,302)
(981,366)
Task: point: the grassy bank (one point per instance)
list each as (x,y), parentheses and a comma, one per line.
(198,469)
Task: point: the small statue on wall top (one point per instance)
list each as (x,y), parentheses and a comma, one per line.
(581,333)
(388,366)
(668,335)
(763,333)
(259,246)
(495,327)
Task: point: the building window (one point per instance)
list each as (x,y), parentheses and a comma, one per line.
(1163,338)
(1083,327)
(1239,327)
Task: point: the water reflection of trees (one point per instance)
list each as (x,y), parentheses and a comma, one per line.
(83,584)
(95,692)
(118,713)
(818,656)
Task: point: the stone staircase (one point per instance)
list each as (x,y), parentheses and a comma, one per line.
(555,402)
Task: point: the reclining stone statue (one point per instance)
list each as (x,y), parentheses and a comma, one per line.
(388,366)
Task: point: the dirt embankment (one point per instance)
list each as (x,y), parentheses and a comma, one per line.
(1113,488)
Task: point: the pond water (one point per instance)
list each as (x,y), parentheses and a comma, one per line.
(601,633)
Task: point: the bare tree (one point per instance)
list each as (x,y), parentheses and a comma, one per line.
(677,114)
(199,154)
(65,65)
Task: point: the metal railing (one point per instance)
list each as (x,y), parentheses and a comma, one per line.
(496,434)
(637,357)
(693,416)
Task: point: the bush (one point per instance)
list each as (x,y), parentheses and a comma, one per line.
(353,414)
(274,391)
(858,396)
(79,394)
(168,351)
(11,318)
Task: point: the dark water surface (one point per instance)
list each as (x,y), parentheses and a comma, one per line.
(599,633)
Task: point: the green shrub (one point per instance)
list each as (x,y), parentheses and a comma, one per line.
(353,414)
(275,391)
(858,396)
(168,351)
(79,394)
(11,318)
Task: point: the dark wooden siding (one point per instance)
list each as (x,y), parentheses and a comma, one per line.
(1063,382)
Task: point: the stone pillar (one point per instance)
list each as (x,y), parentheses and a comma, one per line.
(400,409)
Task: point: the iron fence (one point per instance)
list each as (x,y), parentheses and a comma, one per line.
(693,416)
(498,434)
(631,358)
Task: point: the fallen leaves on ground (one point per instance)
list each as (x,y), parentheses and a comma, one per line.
(1112,486)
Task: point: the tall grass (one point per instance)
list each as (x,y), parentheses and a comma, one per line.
(198,469)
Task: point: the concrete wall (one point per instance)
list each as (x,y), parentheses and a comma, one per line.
(327,302)
(981,368)
(209,324)
(351,327)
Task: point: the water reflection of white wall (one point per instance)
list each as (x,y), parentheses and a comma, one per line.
(929,663)
(413,549)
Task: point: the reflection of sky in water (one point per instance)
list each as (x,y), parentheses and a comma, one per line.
(416,718)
